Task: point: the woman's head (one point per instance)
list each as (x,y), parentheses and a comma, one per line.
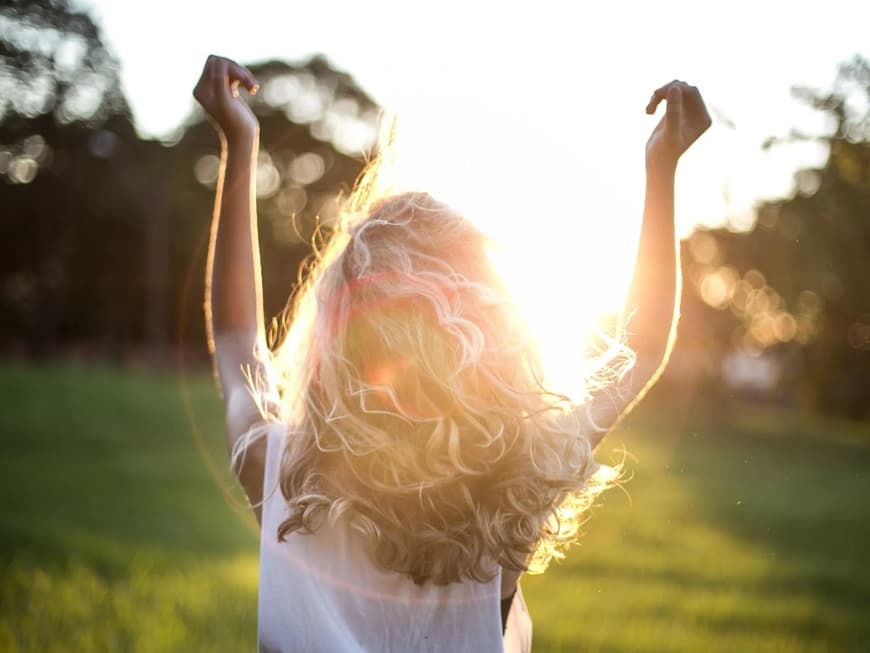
(418,408)
(413,307)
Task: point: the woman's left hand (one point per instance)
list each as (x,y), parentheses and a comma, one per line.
(218,92)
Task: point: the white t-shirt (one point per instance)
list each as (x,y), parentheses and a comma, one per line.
(322,592)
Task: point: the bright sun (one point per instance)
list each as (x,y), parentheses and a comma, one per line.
(563,288)
(567,259)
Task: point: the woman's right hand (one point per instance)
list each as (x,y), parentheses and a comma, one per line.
(217,92)
(685,119)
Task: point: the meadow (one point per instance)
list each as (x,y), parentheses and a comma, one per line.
(118,532)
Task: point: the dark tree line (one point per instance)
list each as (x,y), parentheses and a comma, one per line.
(795,290)
(103,234)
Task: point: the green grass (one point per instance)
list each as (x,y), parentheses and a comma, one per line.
(115,536)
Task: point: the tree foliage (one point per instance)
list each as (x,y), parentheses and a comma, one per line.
(53,60)
(795,288)
(102,241)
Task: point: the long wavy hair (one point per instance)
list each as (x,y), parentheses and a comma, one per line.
(413,399)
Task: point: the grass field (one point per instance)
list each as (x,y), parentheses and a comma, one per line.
(114,535)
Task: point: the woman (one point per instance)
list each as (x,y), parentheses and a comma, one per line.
(400,451)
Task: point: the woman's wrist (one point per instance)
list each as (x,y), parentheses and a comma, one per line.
(661,167)
(244,141)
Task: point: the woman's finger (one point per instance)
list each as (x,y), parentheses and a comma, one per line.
(658,95)
(674,114)
(702,111)
(225,74)
(661,93)
(216,68)
(242,75)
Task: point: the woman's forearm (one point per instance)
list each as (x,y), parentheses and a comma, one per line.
(652,305)
(653,299)
(233,299)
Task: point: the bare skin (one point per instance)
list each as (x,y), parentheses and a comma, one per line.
(234,307)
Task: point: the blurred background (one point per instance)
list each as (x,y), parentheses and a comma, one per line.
(745,523)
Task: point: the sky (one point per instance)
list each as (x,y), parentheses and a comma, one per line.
(490,95)
(475,74)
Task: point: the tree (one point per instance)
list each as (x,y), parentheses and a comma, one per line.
(62,114)
(103,233)
(796,285)
(53,61)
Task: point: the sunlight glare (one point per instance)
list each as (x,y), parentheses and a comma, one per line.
(567,258)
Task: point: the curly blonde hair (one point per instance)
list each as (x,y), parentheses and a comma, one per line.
(415,405)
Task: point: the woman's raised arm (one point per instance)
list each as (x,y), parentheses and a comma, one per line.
(233,295)
(654,296)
